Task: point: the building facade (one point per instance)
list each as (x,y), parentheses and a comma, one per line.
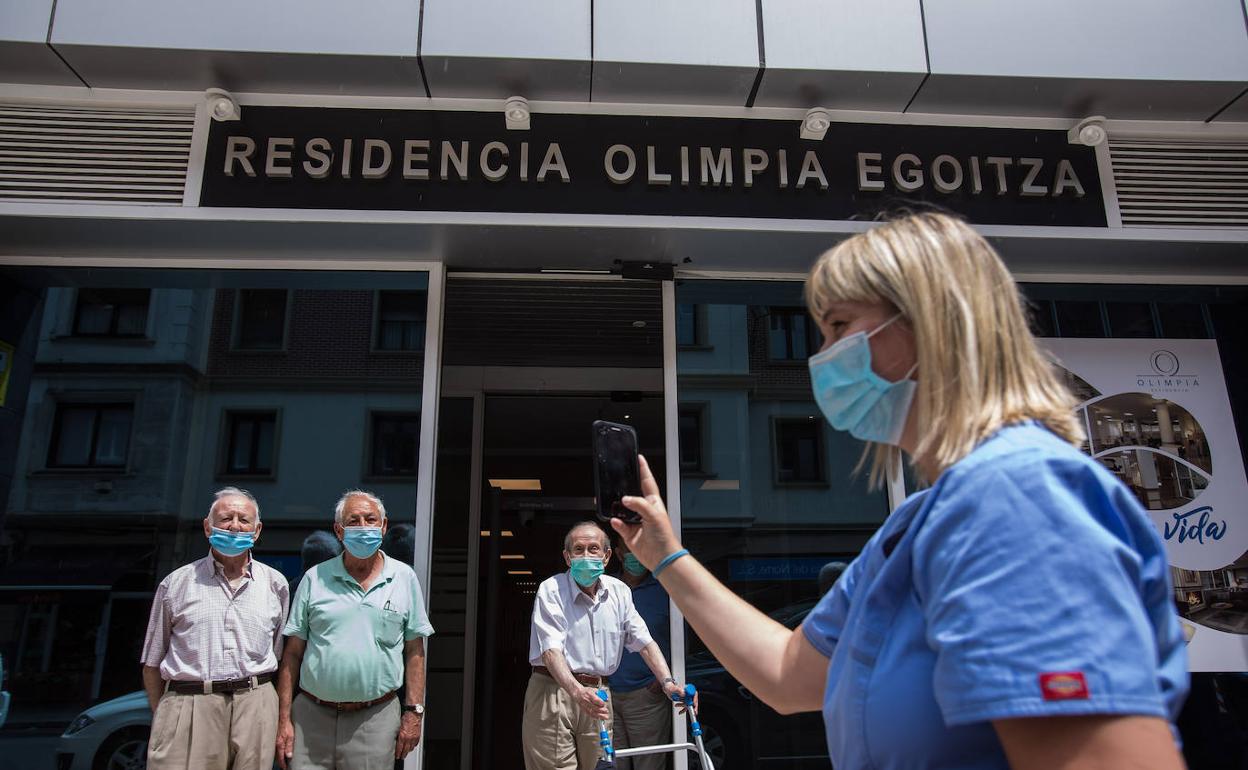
(419,246)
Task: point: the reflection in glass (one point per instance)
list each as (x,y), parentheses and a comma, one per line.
(114,457)
(775,498)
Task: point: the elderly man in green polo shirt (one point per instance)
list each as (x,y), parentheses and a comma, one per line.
(354,637)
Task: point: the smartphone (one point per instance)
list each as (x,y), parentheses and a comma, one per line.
(616,470)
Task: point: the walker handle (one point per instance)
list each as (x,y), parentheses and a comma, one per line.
(687,696)
(604,737)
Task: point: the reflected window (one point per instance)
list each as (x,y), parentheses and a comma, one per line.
(690,325)
(799,454)
(251,443)
(396,438)
(1077,318)
(691,438)
(261,323)
(792,335)
(111,312)
(1130,319)
(90,436)
(400,320)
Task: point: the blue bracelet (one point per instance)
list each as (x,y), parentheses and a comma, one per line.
(668,560)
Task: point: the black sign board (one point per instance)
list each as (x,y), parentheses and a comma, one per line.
(415,160)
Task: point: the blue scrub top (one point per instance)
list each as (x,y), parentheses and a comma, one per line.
(1026,582)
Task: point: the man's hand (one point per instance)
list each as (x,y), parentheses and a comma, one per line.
(676,693)
(587,698)
(409,734)
(285,742)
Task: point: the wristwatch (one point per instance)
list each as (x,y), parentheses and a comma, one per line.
(418,709)
(669,679)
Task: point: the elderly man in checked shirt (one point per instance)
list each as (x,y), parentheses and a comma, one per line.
(213,642)
(583,621)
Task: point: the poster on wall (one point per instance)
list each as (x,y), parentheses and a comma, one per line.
(1158,417)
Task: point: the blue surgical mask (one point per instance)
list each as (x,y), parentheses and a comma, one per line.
(229,543)
(362,542)
(586,570)
(633,565)
(855,398)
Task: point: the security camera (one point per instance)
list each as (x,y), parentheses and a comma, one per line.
(221,105)
(1090,131)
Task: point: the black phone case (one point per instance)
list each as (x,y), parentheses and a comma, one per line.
(603,508)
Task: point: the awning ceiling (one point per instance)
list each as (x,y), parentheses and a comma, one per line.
(527,243)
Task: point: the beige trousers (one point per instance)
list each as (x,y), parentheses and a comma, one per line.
(643,717)
(556,734)
(221,731)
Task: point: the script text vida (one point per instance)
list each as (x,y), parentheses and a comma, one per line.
(1196,524)
(424,159)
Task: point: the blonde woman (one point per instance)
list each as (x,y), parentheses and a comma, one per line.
(1016,612)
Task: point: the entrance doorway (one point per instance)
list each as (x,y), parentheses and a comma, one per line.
(528,365)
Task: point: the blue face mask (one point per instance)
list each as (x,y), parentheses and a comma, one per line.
(855,398)
(586,570)
(229,543)
(633,565)
(362,542)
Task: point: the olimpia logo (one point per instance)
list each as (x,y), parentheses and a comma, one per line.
(1167,374)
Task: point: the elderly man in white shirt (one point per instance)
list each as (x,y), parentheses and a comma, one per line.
(213,642)
(583,621)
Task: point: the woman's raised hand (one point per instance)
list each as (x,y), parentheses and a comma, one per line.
(652,539)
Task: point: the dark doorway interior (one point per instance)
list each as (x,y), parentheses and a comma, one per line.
(533,441)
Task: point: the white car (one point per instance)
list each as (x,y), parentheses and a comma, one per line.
(108,736)
(4,696)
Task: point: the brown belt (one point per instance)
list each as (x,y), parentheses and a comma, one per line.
(349,706)
(224,685)
(589,680)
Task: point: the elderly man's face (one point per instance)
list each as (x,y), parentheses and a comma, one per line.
(360,512)
(588,543)
(233,514)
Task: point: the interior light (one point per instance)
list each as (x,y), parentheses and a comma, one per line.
(722,485)
(519,572)
(485,533)
(507,533)
(511,556)
(530,485)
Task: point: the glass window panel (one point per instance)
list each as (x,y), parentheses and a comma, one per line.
(1077,318)
(686,325)
(74,437)
(1130,319)
(690,427)
(114,436)
(766,540)
(400,320)
(262,319)
(1182,320)
(1042,323)
(79,567)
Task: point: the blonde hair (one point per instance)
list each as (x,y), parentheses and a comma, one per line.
(979,367)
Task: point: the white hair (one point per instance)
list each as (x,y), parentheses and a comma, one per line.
(369,496)
(225,492)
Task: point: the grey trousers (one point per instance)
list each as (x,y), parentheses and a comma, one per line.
(642,718)
(351,740)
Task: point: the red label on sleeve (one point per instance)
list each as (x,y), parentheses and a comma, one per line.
(1064,685)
